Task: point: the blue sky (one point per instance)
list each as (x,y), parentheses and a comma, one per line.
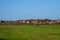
(29,9)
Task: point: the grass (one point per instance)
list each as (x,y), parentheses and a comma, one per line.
(29,32)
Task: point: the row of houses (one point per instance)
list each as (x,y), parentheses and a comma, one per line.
(32,22)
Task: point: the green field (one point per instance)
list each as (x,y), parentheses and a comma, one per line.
(29,32)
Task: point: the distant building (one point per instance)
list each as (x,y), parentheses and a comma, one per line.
(32,22)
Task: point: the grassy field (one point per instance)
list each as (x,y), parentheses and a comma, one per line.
(29,32)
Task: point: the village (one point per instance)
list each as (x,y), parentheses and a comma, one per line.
(31,22)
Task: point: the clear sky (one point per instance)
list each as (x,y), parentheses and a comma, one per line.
(29,9)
